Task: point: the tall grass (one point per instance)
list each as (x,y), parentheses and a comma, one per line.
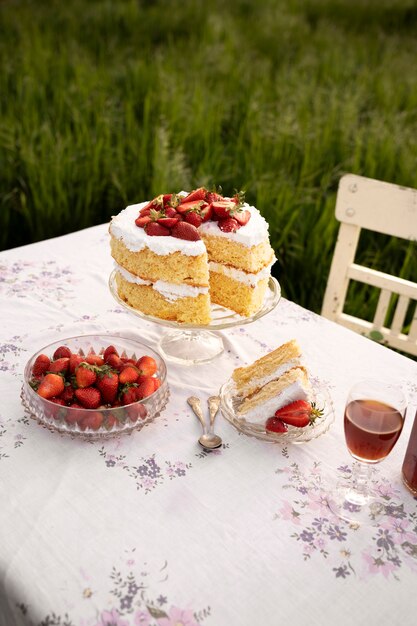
(105,103)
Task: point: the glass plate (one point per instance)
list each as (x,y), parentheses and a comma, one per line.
(230,403)
(222,318)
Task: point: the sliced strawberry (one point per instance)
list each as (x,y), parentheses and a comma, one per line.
(62,352)
(242,217)
(299,413)
(59,366)
(275,425)
(197,194)
(184,207)
(144,212)
(193,218)
(223,208)
(147,365)
(41,365)
(168,222)
(171,212)
(183,230)
(85,375)
(129,374)
(88,397)
(229,225)
(52,385)
(206,213)
(153,229)
(213,196)
(143,220)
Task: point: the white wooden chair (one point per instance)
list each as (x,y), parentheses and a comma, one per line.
(384,208)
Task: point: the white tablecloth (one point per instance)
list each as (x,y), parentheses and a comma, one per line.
(149,529)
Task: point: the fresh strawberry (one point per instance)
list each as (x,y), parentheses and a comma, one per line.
(157,203)
(88,397)
(52,385)
(107,383)
(92,420)
(168,222)
(128,395)
(299,413)
(68,394)
(213,196)
(62,352)
(94,359)
(185,207)
(114,361)
(74,416)
(145,389)
(147,365)
(143,220)
(109,350)
(206,213)
(41,365)
(145,211)
(59,366)
(59,401)
(129,374)
(193,218)
(275,425)
(223,208)
(153,229)
(156,383)
(110,421)
(229,225)
(242,217)
(183,230)
(74,361)
(197,194)
(85,375)
(171,212)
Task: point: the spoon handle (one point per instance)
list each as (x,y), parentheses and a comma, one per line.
(195,404)
(214,403)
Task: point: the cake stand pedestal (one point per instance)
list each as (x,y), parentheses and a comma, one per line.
(189,344)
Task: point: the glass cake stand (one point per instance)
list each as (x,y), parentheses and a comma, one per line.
(189,344)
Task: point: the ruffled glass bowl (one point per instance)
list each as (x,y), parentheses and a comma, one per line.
(117,420)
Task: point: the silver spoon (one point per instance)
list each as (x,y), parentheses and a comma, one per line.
(208,439)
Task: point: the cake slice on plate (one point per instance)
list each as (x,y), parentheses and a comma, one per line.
(274,381)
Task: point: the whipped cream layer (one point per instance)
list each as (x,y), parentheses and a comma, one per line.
(242,277)
(251,234)
(170,291)
(257,383)
(295,391)
(123,227)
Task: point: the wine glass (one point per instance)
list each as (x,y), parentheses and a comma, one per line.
(373,421)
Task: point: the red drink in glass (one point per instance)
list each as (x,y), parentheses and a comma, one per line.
(371,429)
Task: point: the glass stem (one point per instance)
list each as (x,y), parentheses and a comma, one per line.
(361,477)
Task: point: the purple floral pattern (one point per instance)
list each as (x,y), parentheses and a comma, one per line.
(320,534)
(44,280)
(148,473)
(132,600)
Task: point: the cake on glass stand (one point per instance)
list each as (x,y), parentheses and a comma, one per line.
(189,344)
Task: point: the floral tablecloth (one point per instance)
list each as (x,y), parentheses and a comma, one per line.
(150,530)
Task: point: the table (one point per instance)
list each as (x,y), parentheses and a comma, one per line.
(149,529)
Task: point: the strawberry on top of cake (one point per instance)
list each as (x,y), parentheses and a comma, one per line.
(179,253)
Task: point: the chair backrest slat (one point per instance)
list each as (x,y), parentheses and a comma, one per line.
(383,208)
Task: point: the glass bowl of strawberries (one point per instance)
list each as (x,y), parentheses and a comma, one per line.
(95,386)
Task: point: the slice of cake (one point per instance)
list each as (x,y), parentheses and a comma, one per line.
(179,253)
(272,382)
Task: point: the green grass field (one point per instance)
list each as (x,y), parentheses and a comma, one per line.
(108,103)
